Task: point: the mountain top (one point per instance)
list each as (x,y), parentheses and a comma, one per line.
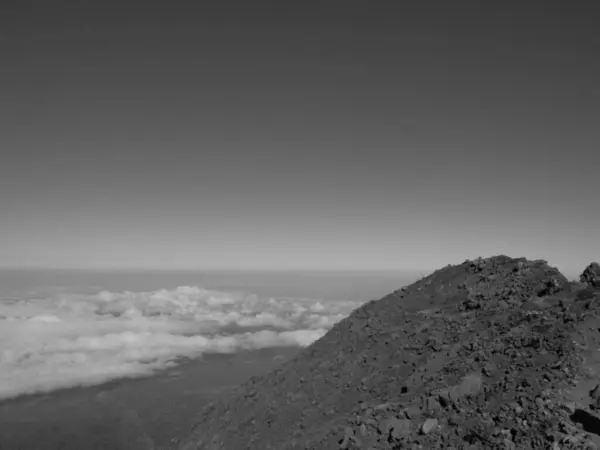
(492,353)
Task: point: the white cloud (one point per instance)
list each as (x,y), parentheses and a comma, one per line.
(76,340)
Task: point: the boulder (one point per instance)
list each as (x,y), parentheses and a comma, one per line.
(591,275)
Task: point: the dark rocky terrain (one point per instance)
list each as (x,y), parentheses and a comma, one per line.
(495,353)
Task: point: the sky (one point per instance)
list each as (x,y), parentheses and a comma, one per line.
(393,136)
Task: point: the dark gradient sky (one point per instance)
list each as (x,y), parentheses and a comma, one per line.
(249,135)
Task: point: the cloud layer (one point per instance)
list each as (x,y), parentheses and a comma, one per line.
(78,340)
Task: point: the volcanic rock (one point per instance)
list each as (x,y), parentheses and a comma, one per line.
(591,275)
(428,426)
(488,354)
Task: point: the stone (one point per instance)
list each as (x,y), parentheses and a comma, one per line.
(509,445)
(445,398)
(348,439)
(428,426)
(412,412)
(591,275)
(470,385)
(595,396)
(432,404)
(488,369)
(397,428)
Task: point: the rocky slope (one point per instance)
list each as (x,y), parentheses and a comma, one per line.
(495,353)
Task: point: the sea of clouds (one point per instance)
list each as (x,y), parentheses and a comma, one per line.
(79,340)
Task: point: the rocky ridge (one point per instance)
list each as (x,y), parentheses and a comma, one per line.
(495,353)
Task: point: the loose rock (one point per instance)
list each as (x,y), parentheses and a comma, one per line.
(428,426)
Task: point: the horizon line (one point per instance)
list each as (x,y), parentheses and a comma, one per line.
(205,269)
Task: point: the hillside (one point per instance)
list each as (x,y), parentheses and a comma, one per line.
(488,354)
